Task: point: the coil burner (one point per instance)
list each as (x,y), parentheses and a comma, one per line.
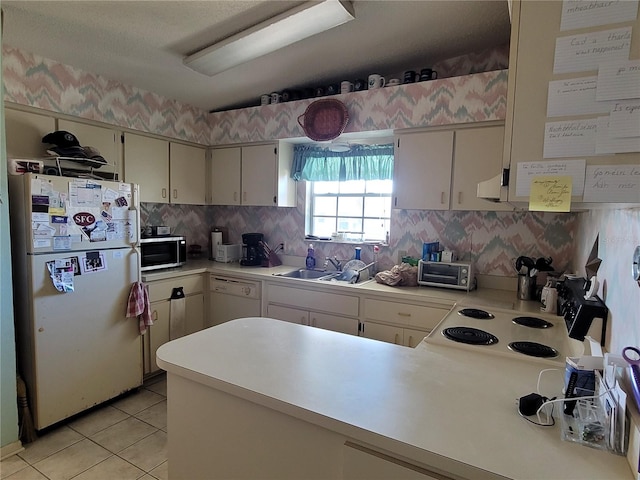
(532,322)
(470,335)
(534,349)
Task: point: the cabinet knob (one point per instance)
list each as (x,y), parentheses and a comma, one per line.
(402,314)
(244,196)
(395,339)
(235,196)
(175,193)
(164,193)
(460,198)
(442,197)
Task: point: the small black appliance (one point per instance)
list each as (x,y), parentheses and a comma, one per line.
(253,252)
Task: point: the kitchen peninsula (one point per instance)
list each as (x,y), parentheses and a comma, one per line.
(262,398)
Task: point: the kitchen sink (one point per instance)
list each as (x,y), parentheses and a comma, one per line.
(308,274)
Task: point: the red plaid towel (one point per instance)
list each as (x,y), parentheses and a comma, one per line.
(138,305)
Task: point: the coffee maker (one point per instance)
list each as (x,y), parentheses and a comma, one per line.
(253,253)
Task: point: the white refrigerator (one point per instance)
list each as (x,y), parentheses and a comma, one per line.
(75,257)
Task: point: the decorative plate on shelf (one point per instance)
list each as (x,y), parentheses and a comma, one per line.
(324,119)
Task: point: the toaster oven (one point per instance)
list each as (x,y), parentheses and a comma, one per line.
(446,275)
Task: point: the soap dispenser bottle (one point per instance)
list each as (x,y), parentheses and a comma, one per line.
(311,259)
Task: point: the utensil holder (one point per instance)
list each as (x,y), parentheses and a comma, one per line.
(526,286)
(272,261)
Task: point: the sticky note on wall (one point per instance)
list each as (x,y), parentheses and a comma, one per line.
(550,193)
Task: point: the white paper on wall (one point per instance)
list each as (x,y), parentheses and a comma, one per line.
(528,170)
(612,183)
(618,80)
(624,119)
(608,144)
(576,96)
(573,138)
(584,52)
(590,13)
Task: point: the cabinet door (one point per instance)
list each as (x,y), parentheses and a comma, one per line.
(333,323)
(187,174)
(146,162)
(225,176)
(477,157)
(24,132)
(385,333)
(158,332)
(105,140)
(288,314)
(361,463)
(411,337)
(422,170)
(259,170)
(194,313)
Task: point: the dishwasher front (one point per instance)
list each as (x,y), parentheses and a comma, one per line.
(232,298)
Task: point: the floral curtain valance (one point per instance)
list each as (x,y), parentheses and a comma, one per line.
(361,162)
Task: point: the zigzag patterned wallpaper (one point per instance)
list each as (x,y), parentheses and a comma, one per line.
(490,239)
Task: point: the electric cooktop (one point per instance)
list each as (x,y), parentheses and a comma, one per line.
(541,338)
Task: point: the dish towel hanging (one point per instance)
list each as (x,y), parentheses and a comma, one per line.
(177,321)
(138,306)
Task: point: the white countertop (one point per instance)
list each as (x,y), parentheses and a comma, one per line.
(485,296)
(431,404)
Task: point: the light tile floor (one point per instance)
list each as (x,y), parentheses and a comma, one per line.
(123,439)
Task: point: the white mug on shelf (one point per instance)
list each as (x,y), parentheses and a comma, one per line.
(376,81)
(346,87)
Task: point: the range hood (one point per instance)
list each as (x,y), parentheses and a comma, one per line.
(492,188)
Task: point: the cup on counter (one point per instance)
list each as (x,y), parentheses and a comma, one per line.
(376,81)
(265,99)
(527,286)
(346,87)
(393,82)
(409,76)
(359,85)
(428,74)
(275,97)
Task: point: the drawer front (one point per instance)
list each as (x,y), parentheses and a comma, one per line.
(312,300)
(384,333)
(404,314)
(161,289)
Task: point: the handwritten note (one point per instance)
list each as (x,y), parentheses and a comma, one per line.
(527,171)
(618,80)
(576,96)
(612,183)
(550,194)
(584,52)
(607,143)
(575,138)
(624,120)
(589,13)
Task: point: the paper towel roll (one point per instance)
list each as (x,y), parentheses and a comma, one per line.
(216,239)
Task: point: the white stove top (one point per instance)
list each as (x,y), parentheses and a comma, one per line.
(502,327)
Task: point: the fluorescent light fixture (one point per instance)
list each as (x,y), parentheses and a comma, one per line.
(292,26)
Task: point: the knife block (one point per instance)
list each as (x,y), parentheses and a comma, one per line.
(272,261)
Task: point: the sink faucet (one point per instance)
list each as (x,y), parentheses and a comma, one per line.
(337,264)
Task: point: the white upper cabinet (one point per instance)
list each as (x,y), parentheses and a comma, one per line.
(187,177)
(166,172)
(422,170)
(105,140)
(253,175)
(146,162)
(24,132)
(477,156)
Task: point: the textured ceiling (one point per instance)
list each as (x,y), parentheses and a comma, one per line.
(143,43)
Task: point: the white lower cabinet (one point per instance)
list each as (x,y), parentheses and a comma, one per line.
(160,302)
(329,311)
(360,463)
(400,323)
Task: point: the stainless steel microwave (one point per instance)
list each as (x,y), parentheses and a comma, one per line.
(447,275)
(162,252)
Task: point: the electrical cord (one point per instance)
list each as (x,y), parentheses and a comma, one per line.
(525,402)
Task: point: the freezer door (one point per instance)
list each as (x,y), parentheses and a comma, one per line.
(74,214)
(85,350)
